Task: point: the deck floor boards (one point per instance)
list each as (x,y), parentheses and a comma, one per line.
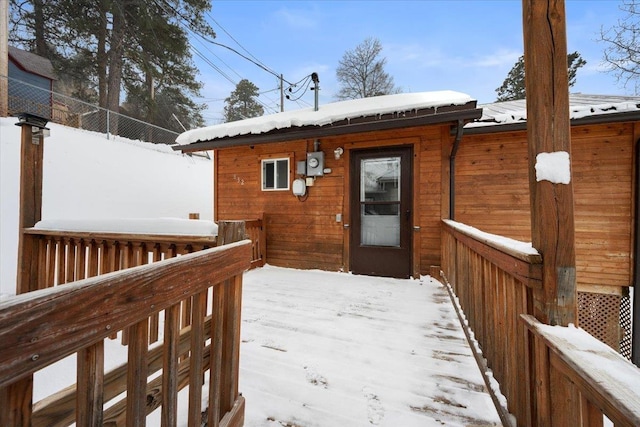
(334,349)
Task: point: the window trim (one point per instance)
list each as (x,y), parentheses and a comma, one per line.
(274,160)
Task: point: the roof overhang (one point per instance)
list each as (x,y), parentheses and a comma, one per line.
(378,122)
(490,127)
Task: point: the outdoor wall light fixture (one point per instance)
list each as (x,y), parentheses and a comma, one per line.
(38,124)
(32,120)
(338,152)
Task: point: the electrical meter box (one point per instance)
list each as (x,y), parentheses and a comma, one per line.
(301,167)
(315,163)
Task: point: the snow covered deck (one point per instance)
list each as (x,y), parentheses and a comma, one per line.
(331,349)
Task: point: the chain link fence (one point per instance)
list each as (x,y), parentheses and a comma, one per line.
(58,108)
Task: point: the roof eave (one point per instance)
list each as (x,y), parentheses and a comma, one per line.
(629,116)
(309,132)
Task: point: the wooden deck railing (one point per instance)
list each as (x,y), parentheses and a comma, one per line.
(497,286)
(61,257)
(44,326)
(66,256)
(577,379)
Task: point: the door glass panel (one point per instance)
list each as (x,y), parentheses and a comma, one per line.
(380,201)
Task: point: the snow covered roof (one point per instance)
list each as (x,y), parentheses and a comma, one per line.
(32,63)
(358,115)
(513,114)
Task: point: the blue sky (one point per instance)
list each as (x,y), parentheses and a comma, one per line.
(463,45)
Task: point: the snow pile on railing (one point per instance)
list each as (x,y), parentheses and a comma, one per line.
(163,226)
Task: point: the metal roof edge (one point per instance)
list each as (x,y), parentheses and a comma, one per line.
(626,116)
(307,132)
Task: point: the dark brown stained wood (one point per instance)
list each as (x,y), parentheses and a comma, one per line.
(90,382)
(234,310)
(31,161)
(116,414)
(548,131)
(196,354)
(543,403)
(169,366)
(230,231)
(15,403)
(137,374)
(59,409)
(16,400)
(126,297)
(215,380)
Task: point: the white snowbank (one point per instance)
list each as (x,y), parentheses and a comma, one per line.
(327,114)
(87,175)
(172,226)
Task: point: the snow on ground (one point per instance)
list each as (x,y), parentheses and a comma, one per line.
(87,176)
(328,349)
(324,349)
(318,348)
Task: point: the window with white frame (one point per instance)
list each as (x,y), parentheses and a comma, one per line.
(275,174)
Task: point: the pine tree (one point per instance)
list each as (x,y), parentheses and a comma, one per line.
(361,73)
(513,86)
(241,103)
(141,47)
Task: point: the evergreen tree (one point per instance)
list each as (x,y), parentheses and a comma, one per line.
(241,103)
(513,86)
(361,73)
(138,46)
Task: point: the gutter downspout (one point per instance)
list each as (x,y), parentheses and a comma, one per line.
(635,321)
(452,170)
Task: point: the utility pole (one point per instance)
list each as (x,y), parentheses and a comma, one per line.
(281,92)
(549,133)
(4,58)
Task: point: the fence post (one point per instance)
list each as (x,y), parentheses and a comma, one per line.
(230,231)
(108,120)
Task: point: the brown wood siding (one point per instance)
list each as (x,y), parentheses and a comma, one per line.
(306,234)
(492,194)
(301,234)
(430,201)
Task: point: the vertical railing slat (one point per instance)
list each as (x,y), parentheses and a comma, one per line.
(90,386)
(233,323)
(198,313)
(170,366)
(217,344)
(137,374)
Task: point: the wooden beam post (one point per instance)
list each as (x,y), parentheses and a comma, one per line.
(549,131)
(16,400)
(31,158)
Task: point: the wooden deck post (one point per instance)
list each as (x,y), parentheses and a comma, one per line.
(230,232)
(548,131)
(16,400)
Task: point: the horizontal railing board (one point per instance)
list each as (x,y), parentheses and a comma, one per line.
(125,237)
(527,268)
(607,385)
(124,298)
